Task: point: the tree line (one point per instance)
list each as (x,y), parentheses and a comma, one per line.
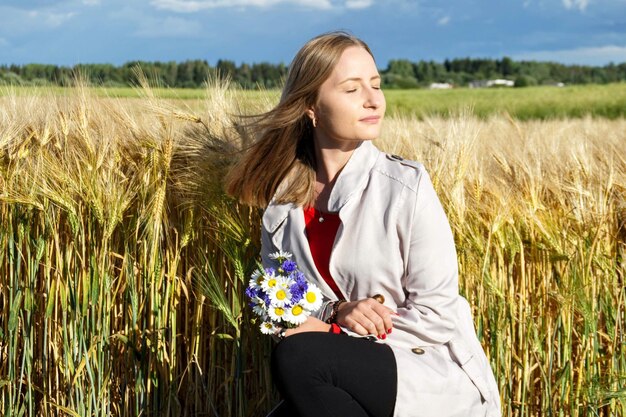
(400,73)
(403,73)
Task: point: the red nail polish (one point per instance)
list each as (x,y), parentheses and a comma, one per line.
(389,331)
(384,336)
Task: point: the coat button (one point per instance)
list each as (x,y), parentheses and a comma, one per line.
(418,351)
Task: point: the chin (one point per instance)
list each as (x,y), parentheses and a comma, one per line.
(370,135)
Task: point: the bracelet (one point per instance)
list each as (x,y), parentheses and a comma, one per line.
(333,314)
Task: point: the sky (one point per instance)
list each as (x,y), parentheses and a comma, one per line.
(68,32)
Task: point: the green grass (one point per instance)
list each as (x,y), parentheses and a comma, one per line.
(608,101)
(522,103)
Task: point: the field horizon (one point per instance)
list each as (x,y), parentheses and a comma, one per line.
(528,103)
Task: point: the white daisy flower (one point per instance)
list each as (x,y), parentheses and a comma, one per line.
(267,327)
(256,279)
(312,298)
(269,281)
(279,295)
(259,306)
(296,314)
(280,255)
(284,282)
(276,313)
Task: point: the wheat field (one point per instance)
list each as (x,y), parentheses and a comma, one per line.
(123,264)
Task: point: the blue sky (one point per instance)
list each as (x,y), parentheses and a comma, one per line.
(67,32)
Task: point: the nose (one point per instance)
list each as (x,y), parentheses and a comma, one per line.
(374,98)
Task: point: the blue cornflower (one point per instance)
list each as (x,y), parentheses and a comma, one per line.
(301,281)
(299,286)
(289,266)
(297,292)
(252,292)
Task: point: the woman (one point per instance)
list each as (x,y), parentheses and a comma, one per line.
(360,224)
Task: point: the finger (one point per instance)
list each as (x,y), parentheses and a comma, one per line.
(376,323)
(386,316)
(369,321)
(383,318)
(383,321)
(360,316)
(392,311)
(356,327)
(386,313)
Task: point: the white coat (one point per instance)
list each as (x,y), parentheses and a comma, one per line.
(395,239)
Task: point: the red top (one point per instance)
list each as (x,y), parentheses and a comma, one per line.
(321,237)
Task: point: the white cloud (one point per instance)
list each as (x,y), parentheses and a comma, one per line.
(576,4)
(190,6)
(48,4)
(443,21)
(54,20)
(14,22)
(170,27)
(314,4)
(600,55)
(359,4)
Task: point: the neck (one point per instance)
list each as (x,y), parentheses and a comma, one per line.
(331,159)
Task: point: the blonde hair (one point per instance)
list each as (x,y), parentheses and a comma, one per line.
(281,163)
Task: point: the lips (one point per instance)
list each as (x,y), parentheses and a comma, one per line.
(370,119)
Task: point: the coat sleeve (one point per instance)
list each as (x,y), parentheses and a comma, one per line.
(431,271)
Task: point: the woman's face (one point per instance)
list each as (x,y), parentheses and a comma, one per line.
(350,105)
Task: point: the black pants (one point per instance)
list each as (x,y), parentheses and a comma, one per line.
(334,375)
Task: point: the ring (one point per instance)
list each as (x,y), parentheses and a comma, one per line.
(380,298)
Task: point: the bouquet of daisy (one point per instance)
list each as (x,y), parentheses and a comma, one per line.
(281,296)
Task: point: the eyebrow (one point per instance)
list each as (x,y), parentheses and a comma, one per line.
(375,77)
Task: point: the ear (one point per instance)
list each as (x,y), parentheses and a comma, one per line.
(310,113)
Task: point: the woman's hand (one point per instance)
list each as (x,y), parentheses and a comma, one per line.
(366,316)
(311,324)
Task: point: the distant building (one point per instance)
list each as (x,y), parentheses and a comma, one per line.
(491,83)
(440,86)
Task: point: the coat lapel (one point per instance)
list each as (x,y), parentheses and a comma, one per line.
(354,176)
(285,222)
